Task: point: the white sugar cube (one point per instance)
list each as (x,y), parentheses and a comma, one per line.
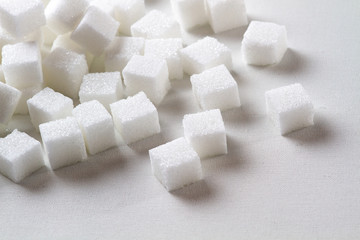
(21,64)
(290,108)
(264,43)
(190,13)
(175,164)
(149,75)
(9,98)
(26,94)
(121,50)
(127,12)
(95,31)
(21,17)
(226,14)
(156,24)
(48,105)
(63,142)
(20,155)
(62,16)
(205,131)
(215,88)
(104,87)
(135,118)
(64,71)
(203,54)
(97,126)
(167,49)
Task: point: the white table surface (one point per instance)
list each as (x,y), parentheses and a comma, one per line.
(302,186)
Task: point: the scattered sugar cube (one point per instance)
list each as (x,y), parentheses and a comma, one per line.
(175,164)
(104,87)
(97,126)
(26,94)
(63,142)
(215,88)
(203,54)
(264,43)
(156,24)
(167,49)
(290,108)
(48,105)
(21,64)
(226,14)
(95,31)
(9,98)
(121,50)
(149,75)
(127,12)
(205,131)
(64,71)
(190,13)
(135,118)
(20,155)
(21,17)
(62,16)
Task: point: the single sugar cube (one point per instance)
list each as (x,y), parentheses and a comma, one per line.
(105,87)
(95,31)
(135,118)
(21,64)
(97,126)
(204,54)
(64,71)
(127,12)
(62,16)
(290,108)
(149,75)
(175,164)
(226,14)
(9,99)
(63,142)
(215,88)
(20,155)
(167,49)
(264,43)
(190,13)
(21,17)
(48,105)
(205,131)
(156,24)
(26,94)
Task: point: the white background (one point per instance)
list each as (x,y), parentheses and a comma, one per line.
(302,186)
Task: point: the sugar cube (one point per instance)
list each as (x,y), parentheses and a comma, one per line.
(205,131)
(264,43)
(26,94)
(203,54)
(9,98)
(156,24)
(127,12)
(290,108)
(135,118)
(48,105)
(21,64)
(64,71)
(63,142)
(105,87)
(215,88)
(175,164)
(20,155)
(167,49)
(189,13)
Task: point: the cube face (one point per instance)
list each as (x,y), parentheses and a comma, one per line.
(264,43)
(63,142)
(135,118)
(289,108)
(189,13)
(20,155)
(9,98)
(127,12)
(215,88)
(156,24)
(96,125)
(226,14)
(175,164)
(204,54)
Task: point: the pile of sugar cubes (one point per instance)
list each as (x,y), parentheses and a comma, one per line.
(50,55)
